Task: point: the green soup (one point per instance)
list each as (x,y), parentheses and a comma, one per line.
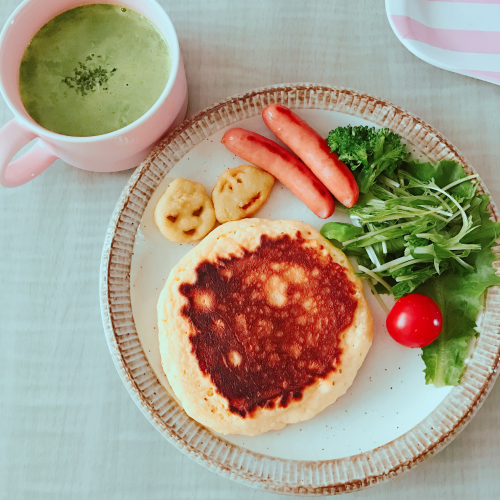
(93,69)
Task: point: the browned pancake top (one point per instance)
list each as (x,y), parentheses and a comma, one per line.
(268,323)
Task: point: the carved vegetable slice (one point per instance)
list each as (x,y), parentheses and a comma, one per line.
(240,192)
(185,212)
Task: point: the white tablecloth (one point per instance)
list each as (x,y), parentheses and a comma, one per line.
(68,428)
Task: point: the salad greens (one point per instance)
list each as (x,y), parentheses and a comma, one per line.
(419,227)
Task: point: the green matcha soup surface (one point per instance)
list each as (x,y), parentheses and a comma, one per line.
(93,69)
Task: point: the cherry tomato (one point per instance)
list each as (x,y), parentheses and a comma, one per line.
(415,321)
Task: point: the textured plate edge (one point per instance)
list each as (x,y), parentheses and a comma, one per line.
(252,469)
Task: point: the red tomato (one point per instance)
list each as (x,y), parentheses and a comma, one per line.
(415,321)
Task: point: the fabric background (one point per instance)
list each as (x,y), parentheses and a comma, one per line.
(68,428)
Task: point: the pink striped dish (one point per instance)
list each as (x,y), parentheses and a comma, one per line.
(389,421)
(462,36)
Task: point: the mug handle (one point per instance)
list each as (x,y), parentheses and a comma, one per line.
(13,136)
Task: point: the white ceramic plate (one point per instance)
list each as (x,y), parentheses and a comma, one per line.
(388,421)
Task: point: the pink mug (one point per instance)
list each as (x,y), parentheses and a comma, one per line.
(120,150)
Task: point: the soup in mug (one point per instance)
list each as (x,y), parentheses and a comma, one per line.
(93,69)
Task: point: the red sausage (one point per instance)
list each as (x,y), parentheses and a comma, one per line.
(313,150)
(286,167)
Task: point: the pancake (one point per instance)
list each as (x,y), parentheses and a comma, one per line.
(261,325)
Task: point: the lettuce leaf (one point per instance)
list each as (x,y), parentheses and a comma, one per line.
(444,172)
(340,231)
(460,299)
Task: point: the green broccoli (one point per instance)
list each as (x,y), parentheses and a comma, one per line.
(374,150)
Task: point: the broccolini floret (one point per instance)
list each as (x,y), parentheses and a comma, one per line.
(375,151)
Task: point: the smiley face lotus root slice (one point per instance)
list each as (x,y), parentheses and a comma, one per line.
(185,212)
(240,192)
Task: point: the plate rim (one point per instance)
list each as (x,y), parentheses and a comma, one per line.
(253,469)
